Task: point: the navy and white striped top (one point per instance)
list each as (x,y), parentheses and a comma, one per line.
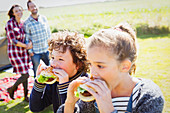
(146,97)
(121,103)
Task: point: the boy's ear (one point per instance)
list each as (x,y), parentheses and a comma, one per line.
(125,65)
(78,65)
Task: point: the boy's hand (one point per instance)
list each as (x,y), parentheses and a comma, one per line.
(63,76)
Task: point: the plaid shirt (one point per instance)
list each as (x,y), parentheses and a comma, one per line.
(18,56)
(38,32)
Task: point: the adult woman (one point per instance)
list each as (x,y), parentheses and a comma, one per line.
(112,54)
(17,49)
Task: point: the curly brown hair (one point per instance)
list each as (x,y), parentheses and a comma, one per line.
(75,42)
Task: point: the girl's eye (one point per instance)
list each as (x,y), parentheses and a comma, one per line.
(99,66)
(61,59)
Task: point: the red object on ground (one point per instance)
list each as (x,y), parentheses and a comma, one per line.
(8,82)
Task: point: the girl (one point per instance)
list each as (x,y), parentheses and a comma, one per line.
(112,54)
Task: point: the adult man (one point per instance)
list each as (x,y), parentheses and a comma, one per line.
(38,31)
(68,60)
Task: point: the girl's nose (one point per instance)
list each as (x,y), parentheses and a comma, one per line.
(93,72)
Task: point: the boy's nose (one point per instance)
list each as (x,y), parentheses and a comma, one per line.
(54,64)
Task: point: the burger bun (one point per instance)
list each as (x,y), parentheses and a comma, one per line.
(48,72)
(85,98)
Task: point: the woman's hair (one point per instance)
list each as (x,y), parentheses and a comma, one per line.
(11,13)
(29,1)
(74,42)
(119,40)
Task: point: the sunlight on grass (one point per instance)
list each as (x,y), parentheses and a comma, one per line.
(154,63)
(13,103)
(6,74)
(26,106)
(146,15)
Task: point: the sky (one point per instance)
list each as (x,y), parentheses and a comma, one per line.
(5,5)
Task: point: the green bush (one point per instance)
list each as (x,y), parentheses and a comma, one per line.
(144,29)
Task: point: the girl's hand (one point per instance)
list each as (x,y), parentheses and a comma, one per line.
(102,95)
(71,98)
(63,76)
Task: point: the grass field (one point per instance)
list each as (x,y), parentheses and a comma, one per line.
(149,17)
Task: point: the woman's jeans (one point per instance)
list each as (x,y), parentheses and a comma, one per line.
(36,60)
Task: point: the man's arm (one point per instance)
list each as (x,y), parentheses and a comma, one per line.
(27,36)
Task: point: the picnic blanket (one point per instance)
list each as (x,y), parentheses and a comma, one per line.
(8,82)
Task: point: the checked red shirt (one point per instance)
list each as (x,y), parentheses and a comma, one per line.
(18,56)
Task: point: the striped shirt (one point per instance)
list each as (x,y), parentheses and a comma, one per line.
(43,95)
(146,98)
(63,87)
(38,32)
(121,103)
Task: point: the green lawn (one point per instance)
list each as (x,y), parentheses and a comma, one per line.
(19,106)
(154,63)
(149,17)
(145,15)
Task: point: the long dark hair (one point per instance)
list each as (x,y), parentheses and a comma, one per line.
(11,13)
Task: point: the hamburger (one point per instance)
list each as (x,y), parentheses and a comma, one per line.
(83,94)
(47,76)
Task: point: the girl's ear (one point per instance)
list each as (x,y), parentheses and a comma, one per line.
(125,65)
